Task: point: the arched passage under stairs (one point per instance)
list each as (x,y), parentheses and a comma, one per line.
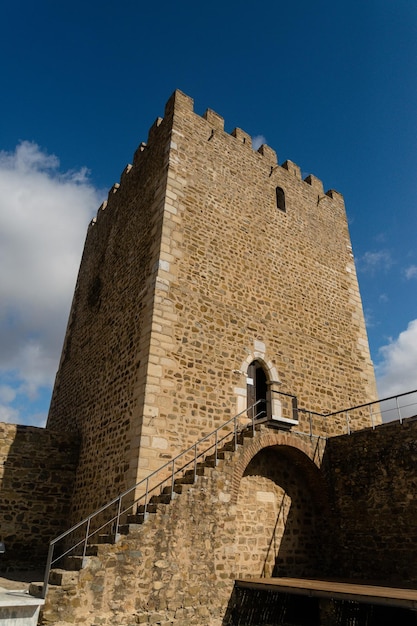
(281,515)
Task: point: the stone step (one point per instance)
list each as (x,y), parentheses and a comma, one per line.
(229,447)
(221,455)
(106,538)
(244,435)
(136,520)
(63,577)
(73,563)
(188,477)
(127,529)
(163,498)
(204,470)
(150,508)
(36,589)
(178,488)
(138,517)
(185,479)
(93,549)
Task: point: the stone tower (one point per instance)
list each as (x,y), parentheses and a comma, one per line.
(208,265)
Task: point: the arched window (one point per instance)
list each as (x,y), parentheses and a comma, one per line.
(257,391)
(280,197)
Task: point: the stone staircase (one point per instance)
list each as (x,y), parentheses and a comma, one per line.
(63,581)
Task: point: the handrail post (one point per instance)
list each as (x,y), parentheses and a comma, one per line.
(87,532)
(216,437)
(372,417)
(348,422)
(172,479)
(116,531)
(195,464)
(47,569)
(145,506)
(235,432)
(311,425)
(398,409)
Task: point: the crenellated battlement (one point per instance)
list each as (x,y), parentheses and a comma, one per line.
(180,102)
(180,105)
(112,191)
(242,137)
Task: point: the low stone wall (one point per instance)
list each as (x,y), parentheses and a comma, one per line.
(372,475)
(37,469)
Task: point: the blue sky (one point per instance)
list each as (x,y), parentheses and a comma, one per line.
(329,85)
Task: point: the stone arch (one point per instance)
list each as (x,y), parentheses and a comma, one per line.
(299,448)
(281,509)
(269,367)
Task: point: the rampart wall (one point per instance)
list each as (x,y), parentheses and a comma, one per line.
(37,469)
(372,477)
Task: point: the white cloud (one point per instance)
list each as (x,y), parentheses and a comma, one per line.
(411,272)
(7,393)
(8,414)
(397,371)
(371,262)
(43,218)
(257,141)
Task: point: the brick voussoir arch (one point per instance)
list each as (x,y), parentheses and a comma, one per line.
(269,439)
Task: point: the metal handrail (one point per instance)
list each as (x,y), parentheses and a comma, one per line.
(114,520)
(362,406)
(389,409)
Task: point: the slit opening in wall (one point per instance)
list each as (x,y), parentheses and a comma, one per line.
(280,198)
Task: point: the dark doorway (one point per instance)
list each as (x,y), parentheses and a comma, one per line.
(257,390)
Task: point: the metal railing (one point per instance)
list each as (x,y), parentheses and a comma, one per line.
(162,479)
(113,514)
(371,414)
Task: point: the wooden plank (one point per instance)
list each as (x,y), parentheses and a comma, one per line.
(369,594)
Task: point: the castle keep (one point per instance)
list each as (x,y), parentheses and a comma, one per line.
(216,312)
(207,257)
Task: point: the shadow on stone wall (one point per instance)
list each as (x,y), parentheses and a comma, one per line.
(282,503)
(372,479)
(37,477)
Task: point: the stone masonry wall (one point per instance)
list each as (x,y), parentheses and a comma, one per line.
(37,469)
(100,387)
(373,481)
(180,566)
(276,519)
(241,279)
(265,509)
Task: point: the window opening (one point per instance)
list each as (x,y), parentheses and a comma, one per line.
(280,197)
